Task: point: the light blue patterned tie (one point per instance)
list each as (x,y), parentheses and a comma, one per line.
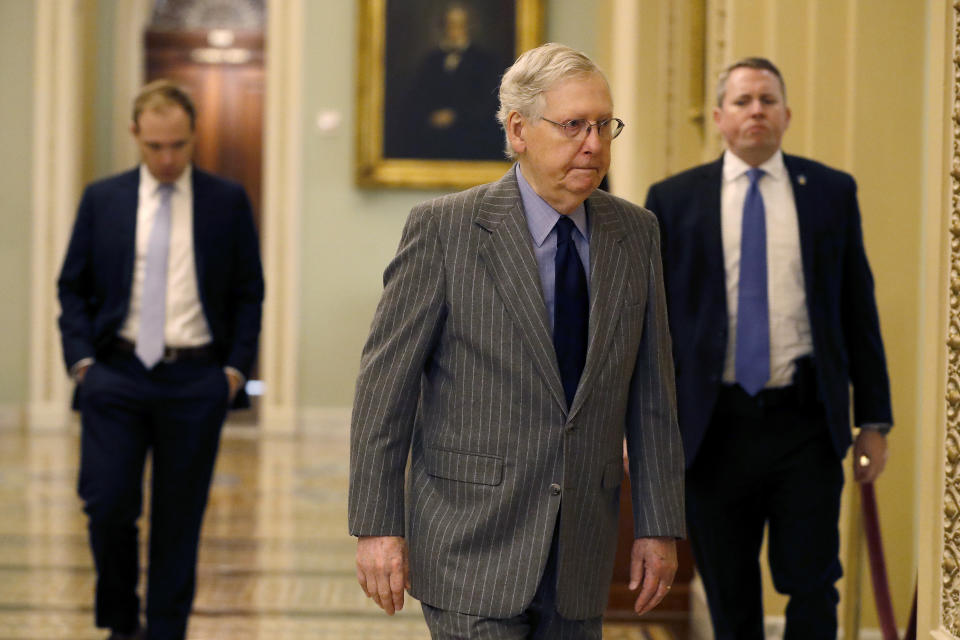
(153,299)
(753,309)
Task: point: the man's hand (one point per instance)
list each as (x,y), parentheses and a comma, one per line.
(626,459)
(81,373)
(234,382)
(869,455)
(383,571)
(653,564)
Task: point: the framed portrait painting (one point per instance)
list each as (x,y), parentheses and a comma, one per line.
(428,75)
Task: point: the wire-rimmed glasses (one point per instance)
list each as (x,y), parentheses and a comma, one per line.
(606,129)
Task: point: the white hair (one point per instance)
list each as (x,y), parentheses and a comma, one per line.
(534,73)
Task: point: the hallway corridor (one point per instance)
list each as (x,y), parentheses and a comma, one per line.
(276,562)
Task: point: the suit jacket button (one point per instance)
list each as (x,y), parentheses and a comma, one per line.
(571,428)
(554,489)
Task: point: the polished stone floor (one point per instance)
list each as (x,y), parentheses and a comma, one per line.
(276,562)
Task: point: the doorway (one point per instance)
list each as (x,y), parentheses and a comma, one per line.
(216,51)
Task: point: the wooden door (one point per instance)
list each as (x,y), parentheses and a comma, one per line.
(227,84)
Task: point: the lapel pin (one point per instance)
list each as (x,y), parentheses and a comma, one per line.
(801,179)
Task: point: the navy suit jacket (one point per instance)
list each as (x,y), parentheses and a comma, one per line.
(95,281)
(845,328)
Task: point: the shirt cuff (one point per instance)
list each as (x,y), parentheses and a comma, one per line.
(882,427)
(78,365)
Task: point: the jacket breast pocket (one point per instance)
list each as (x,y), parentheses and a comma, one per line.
(464,467)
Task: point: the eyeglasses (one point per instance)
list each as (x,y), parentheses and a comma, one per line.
(606,129)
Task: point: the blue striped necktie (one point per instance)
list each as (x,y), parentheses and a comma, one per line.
(153,298)
(571,311)
(753,308)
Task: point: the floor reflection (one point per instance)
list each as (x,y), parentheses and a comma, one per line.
(275,560)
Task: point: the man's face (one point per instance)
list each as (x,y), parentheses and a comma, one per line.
(456,27)
(165,140)
(564,171)
(753,116)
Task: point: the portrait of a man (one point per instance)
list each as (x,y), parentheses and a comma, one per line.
(443,62)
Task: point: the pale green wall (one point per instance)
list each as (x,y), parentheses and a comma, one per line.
(349,234)
(16,153)
(101,162)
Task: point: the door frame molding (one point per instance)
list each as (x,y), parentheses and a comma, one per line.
(938,581)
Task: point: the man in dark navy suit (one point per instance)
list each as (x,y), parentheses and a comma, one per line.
(161,293)
(773,317)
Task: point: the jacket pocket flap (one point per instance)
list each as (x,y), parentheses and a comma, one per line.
(612,474)
(464,467)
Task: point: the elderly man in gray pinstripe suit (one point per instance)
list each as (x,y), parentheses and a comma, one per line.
(482,479)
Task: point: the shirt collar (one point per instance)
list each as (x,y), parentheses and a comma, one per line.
(541,217)
(734,167)
(151,184)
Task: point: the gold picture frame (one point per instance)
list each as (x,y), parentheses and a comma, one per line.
(391,148)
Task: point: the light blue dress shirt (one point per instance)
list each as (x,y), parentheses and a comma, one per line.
(541,220)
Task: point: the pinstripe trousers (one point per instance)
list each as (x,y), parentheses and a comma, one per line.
(540,621)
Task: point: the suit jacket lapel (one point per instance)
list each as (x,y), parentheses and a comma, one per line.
(607,273)
(203,233)
(507,254)
(126,223)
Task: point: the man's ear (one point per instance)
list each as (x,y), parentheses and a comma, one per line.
(515,128)
(134,129)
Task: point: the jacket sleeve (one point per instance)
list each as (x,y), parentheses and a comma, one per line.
(246,288)
(75,288)
(654,447)
(861,324)
(406,326)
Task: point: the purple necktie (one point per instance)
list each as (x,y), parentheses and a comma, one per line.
(153,299)
(753,309)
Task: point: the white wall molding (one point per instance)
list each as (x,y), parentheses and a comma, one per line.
(282,187)
(132,17)
(934,416)
(56,188)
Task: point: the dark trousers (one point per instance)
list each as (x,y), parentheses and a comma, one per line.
(767,464)
(175,411)
(540,620)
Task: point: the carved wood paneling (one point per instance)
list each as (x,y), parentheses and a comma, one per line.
(950,561)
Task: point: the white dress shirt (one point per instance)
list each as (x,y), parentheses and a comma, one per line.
(185,324)
(789,322)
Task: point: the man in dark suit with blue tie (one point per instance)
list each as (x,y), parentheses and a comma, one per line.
(773,316)
(161,292)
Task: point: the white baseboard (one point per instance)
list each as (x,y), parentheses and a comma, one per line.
(11,416)
(278,420)
(324,419)
(50,416)
(55,417)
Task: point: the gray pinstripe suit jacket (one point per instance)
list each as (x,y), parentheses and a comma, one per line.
(460,373)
